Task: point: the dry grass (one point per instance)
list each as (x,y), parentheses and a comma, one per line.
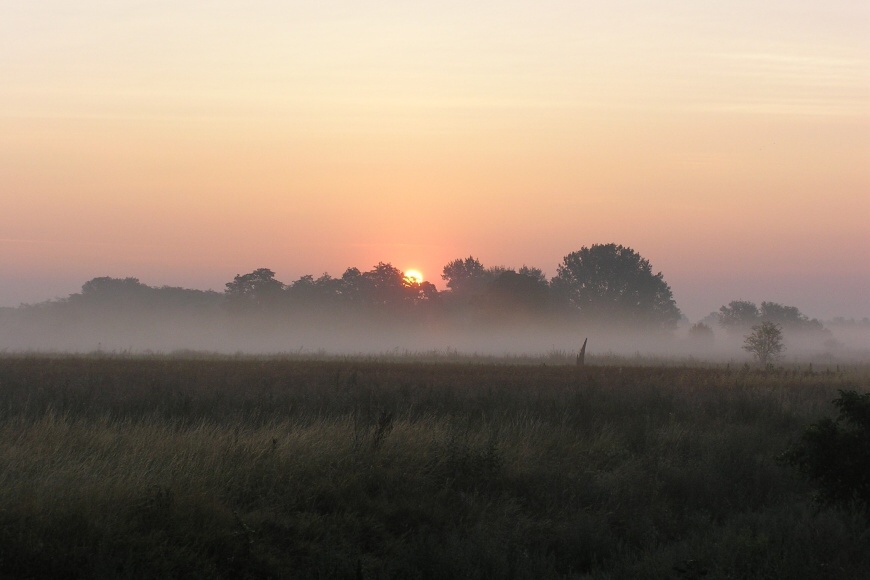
(173,467)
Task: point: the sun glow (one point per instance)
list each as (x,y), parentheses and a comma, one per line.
(414,276)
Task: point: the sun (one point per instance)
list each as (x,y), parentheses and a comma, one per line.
(414,276)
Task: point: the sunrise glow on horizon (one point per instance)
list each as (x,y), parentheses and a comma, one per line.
(414,276)
(183,143)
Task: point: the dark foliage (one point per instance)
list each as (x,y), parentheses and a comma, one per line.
(259,289)
(834,454)
(613,282)
(739,315)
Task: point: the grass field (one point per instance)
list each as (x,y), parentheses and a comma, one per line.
(208,467)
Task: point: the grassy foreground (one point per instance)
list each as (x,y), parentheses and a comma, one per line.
(259,468)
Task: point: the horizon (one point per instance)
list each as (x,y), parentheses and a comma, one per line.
(727,144)
(413,273)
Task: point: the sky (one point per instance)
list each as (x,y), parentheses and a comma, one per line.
(184,142)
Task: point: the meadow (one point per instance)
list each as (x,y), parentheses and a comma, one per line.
(414,467)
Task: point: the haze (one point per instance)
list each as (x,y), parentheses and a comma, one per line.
(184,143)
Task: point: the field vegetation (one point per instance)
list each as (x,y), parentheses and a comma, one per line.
(440,467)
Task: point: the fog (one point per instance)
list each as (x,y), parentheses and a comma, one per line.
(607,294)
(206,325)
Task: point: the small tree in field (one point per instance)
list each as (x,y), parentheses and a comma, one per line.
(764,342)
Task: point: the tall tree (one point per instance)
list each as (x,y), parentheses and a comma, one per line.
(257,289)
(466,276)
(614,283)
(351,288)
(386,285)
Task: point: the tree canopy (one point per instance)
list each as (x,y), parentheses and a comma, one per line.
(611,282)
(258,289)
(465,276)
(739,315)
(605,287)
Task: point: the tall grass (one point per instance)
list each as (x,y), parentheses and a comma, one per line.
(237,467)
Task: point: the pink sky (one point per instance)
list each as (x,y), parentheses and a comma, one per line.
(184,143)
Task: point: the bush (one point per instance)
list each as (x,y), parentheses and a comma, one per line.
(835,454)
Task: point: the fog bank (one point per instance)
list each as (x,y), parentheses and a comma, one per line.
(209,328)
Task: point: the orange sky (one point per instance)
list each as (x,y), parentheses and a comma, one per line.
(184,143)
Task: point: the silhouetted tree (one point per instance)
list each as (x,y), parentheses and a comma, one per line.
(615,283)
(428,292)
(106,286)
(303,290)
(130,293)
(420,293)
(351,286)
(738,315)
(106,292)
(385,285)
(789,317)
(493,272)
(258,289)
(535,273)
(466,276)
(329,289)
(701,335)
(764,342)
(510,294)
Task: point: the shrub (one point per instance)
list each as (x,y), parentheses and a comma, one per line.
(835,454)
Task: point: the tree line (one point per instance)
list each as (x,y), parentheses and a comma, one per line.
(603,285)
(603,282)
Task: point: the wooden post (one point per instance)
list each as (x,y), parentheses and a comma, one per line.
(581,358)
